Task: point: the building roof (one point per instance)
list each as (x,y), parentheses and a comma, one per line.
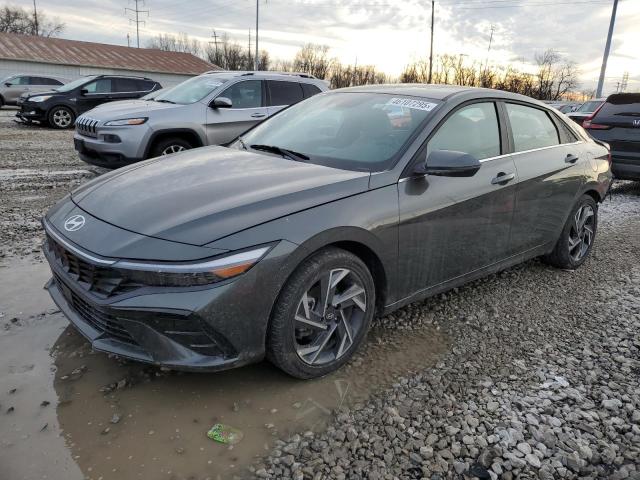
(88,54)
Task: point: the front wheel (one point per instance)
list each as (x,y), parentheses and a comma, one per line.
(170,145)
(322,314)
(61,117)
(576,241)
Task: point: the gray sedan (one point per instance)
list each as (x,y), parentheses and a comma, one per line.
(349,204)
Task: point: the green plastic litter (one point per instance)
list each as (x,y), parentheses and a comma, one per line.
(225,434)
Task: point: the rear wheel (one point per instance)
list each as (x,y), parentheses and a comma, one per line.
(170,145)
(61,117)
(322,314)
(577,236)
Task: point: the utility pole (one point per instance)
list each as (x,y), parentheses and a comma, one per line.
(249,49)
(35,17)
(255,60)
(214,35)
(433,16)
(128,40)
(486,63)
(137,21)
(606,49)
(625,82)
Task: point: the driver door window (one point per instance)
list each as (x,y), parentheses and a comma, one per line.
(102,85)
(473,129)
(246,94)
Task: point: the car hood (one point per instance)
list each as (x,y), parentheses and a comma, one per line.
(205,194)
(129,108)
(28,95)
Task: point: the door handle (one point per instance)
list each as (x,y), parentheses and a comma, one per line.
(503,178)
(258,115)
(571,158)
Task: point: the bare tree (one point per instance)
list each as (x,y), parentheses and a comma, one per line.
(175,43)
(555,76)
(314,60)
(20,20)
(231,55)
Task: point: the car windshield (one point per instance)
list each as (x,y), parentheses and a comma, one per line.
(192,90)
(67,87)
(349,130)
(589,107)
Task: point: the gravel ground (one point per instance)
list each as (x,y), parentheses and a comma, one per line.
(38,166)
(542,381)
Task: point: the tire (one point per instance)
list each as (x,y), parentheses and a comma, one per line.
(169,145)
(1,102)
(577,237)
(61,117)
(301,348)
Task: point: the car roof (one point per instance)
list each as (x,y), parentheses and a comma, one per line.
(440,92)
(299,76)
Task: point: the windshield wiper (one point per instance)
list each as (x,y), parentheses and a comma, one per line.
(242,143)
(297,156)
(163,100)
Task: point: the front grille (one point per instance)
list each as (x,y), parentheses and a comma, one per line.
(99,319)
(104,282)
(87,126)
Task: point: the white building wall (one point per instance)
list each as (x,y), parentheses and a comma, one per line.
(71,72)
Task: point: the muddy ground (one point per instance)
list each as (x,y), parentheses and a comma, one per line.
(69,413)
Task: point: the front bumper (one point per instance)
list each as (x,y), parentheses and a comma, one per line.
(126,150)
(30,112)
(209,328)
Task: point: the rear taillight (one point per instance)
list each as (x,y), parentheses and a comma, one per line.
(588,122)
(609,159)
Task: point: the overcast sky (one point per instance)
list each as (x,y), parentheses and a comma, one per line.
(385,33)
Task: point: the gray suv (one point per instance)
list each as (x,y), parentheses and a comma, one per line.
(14,86)
(210,109)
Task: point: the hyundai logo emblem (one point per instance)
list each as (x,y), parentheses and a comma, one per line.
(636,123)
(74,223)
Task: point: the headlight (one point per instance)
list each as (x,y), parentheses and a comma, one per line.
(40,98)
(126,121)
(190,274)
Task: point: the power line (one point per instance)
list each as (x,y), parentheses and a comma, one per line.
(137,21)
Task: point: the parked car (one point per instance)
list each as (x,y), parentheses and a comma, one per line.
(211,109)
(568,107)
(60,107)
(617,122)
(288,242)
(12,87)
(585,110)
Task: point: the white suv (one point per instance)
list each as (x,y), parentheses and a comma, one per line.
(210,109)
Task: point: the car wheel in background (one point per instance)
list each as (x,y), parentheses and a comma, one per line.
(61,117)
(578,235)
(170,145)
(322,314)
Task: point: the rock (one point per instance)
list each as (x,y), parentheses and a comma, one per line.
(612,404)
(115,418)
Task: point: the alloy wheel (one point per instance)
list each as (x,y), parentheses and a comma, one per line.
(581,233)
(173,149)
(62,118)
(329,317)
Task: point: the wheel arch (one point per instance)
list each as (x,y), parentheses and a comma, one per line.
(359,242)
(184,133)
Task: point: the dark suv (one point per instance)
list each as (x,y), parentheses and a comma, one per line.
(617,122)
(60,107)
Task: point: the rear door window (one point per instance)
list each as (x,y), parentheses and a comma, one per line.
(145,85)
(102,85)
(532,128)
(284,93)
(481,137)
(126,85)
(44,81)
(309,90)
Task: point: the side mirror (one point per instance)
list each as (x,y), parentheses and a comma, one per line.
(84,91)
(7,84)
(222,102)
(449,163)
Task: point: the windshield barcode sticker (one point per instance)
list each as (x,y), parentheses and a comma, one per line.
(411,103)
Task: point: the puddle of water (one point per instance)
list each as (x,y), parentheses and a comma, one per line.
(164,416)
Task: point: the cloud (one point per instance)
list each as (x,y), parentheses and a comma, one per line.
(387,33)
